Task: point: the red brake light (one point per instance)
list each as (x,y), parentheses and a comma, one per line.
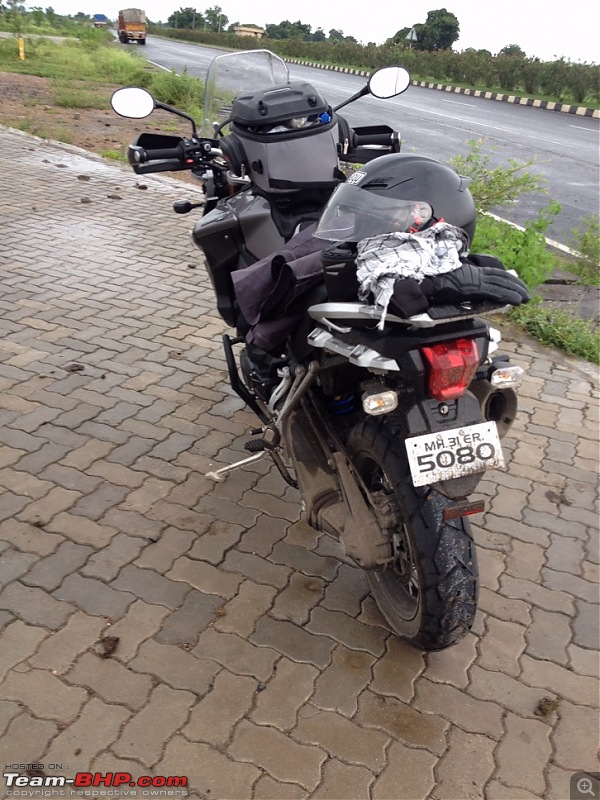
(452,366)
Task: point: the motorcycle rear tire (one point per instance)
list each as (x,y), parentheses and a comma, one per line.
(428,595)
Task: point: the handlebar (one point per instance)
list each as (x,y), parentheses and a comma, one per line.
(140,155)
(159,153)
(387,139)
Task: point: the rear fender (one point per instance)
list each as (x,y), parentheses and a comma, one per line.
(429,416)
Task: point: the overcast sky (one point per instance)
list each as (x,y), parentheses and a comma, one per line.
(542,28)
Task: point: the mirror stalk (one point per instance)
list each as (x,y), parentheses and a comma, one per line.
(361,93)
(165,107)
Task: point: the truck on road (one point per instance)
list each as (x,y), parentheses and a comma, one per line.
(132,26)
(100,20)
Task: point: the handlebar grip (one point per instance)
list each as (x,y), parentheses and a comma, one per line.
(140,155)
(384,139)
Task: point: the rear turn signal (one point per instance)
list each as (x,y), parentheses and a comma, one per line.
(452,366)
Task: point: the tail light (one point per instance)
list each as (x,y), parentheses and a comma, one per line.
(452,366)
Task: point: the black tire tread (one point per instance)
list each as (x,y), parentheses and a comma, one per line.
(446,556)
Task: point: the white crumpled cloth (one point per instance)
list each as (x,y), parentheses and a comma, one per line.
(381,260)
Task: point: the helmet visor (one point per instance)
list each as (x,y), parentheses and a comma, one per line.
(353,214)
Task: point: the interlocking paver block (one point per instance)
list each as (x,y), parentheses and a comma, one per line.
(338,686)
(175,667)
(347,592)
(81,530)
(19,641)
(213,718)
(343,780)
(548,636)
(23,483)
(218,539)
(60,649)
(96,728)
(293,641)
(27,736)
(94,597)
(261,538)
(46,696)
(236,654)
(298,599)
(150,586)
(195,614)
(513,769)
(95,504)
(409,773)
(160,555)
(505,691)
(106,563)
(452,665)
(8,711)
(267,788)
(583,661)
(559,680)
(283,758)
(402,722)
(585,625)
(396,671)
(112,681)
(290,687)
(342,737)
(35,606)
(347,630)
(144,735)
(575,737)
(502,646)
(211,773)
(240,614)
(255,568)
(48,573)
(204,577)
(465,768)
(14,564)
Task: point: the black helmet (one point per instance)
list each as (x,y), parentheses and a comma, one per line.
(397,193)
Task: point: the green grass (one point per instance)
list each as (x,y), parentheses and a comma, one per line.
(72,60)
(59,133)
(559,328)
(114,155)
(67,95)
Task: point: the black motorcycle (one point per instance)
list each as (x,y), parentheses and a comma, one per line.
(357,307)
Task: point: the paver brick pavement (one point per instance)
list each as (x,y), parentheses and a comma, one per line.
(246,651)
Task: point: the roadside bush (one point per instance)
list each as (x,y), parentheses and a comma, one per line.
(493,188)
(525,250)
(508,70)
(554,78)
(586,241)
(531,75)
(559,328)
(183,91)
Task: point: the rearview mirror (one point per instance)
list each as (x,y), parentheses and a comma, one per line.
(389,81)
(132,102)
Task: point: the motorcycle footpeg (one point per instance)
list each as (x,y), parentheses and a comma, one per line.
(269,441)
(255,446)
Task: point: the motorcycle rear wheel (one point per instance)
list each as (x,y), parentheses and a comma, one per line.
(428,594)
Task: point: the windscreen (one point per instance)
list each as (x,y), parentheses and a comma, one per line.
(235,73)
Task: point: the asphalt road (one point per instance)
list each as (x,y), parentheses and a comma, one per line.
(440,125)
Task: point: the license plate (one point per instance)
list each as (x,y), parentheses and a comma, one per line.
(451,454)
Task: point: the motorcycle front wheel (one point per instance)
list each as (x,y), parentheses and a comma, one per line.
(428,592)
